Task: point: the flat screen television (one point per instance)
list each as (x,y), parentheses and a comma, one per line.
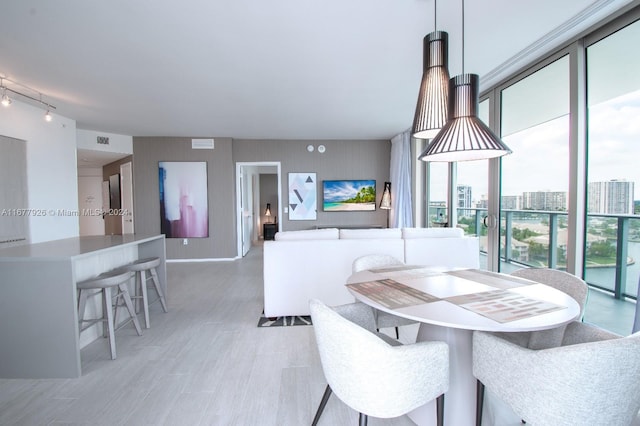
(348,195)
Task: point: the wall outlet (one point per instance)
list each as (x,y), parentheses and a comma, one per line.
(185,241)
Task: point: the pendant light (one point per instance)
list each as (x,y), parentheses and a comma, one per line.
(431,108)
(465,137)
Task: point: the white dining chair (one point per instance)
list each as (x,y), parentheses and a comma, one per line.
(372,261)
(371,375)
(560,280)
(590,379)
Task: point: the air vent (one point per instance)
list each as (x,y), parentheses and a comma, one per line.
(201,143)
(103,140)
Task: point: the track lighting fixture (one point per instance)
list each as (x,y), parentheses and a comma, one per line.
(6,100)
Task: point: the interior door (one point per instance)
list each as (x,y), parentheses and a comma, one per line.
(247,209)
(126,185)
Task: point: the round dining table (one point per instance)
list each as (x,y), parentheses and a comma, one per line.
(450,305)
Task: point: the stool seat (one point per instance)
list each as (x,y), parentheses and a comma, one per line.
(116,279)
(106,279)
(144,264)
(139,268)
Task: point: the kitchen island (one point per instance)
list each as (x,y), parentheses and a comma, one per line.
(38,304)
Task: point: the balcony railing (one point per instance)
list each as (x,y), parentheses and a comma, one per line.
(538,238)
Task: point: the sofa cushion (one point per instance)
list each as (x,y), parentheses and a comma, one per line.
(376,234)
(310,234)
(409,233)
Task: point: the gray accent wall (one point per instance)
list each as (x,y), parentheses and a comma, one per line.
(147,152)
(360,159)
(349,159)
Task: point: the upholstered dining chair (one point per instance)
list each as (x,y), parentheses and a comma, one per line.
(371,375)
(371,261)
(560,280)
(591,379)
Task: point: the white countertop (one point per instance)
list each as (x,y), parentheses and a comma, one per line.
(73,247)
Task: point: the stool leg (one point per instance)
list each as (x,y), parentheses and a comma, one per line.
(129,304)
(82,303)
(156,283)
(145,300)
(108,313)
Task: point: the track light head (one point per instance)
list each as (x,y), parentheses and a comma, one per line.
(48,117)
(6,100)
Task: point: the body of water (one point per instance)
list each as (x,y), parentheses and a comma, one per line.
(605,277)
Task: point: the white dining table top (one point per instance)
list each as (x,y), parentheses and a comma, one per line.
(457,298)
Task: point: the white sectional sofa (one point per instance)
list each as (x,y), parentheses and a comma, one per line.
(301,265)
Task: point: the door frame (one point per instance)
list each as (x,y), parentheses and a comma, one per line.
(242,186)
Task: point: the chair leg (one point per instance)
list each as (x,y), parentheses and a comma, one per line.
(397,334)
(363,419)
(479,402)
(323,402)
(440,410)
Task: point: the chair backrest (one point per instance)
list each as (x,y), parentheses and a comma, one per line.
(569,385)
(374,261)
(560,280)
(371,376)
(563,281)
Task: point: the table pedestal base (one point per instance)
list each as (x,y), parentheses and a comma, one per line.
(460,400)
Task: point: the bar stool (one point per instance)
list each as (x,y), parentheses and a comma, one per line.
(115,279)
(139,268)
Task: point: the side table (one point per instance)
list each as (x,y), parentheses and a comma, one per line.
(269,231)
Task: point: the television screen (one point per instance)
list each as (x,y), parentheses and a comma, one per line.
(348,195)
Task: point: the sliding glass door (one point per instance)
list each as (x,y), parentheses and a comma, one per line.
(612,250)
(535,177)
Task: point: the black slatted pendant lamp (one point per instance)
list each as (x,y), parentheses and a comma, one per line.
(465,137)
(431,109)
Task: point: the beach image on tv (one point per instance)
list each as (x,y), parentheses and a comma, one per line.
(348,195)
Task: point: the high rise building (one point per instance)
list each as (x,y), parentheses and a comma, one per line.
(545,200)
(511,202)
(610,197)
(464,200)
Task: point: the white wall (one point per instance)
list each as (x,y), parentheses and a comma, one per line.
(87,139)
(51,168)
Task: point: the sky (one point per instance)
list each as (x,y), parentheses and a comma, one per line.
(540,158)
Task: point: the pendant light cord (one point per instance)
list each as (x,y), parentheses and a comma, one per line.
(462,36)
(435,15)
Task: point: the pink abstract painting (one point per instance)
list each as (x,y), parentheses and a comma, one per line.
(184,209)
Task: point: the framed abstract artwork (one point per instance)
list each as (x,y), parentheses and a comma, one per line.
(302,196)
(184,206)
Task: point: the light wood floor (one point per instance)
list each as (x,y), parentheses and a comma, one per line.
(205,362)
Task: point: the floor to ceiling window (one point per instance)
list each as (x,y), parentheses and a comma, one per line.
(472,191)
(535,177)
(437,192)
(570,191)
(612,249)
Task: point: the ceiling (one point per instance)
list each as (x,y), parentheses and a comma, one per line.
(278,69)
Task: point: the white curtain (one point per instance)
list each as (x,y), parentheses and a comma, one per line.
(401,214)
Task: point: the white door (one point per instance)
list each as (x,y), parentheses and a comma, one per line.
(247,211)
(126,190)
(90,205)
